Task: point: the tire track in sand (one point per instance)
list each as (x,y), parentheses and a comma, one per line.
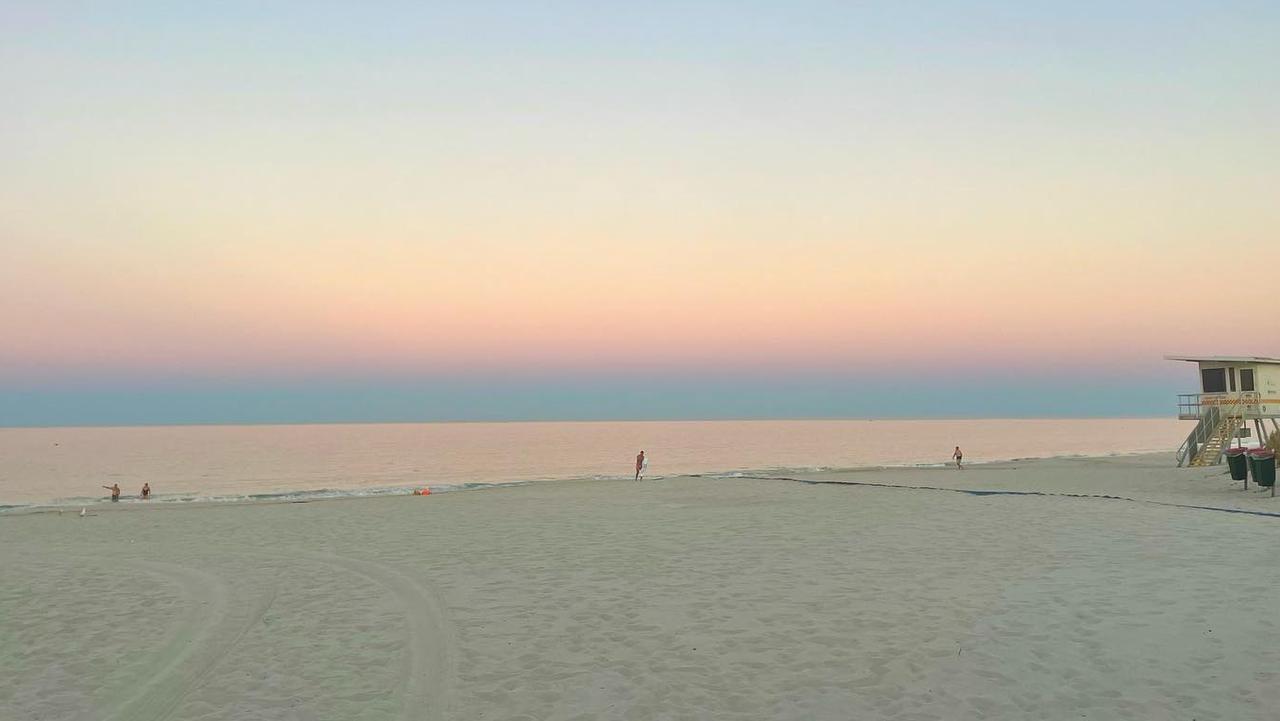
(426,682)
(196,647)
(201,640)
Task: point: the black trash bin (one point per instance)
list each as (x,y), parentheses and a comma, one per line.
(1262,464)
(1238,462)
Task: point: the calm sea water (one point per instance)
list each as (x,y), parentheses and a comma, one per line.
(185,463)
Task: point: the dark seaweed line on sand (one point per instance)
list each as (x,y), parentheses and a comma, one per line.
(972,492)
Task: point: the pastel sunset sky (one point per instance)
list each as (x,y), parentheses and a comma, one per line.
(330,211)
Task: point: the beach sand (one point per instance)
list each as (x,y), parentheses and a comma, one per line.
(679,598)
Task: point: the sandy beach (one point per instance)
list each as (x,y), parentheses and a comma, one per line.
(678,598)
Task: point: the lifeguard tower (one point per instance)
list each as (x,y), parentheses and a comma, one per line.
(1236,392)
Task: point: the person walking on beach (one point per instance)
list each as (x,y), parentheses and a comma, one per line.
(146,491)
(115,491)
(959,456)
(641,464)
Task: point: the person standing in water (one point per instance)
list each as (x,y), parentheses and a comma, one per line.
(146,491)
(115,491)
(959,456)
(641,464)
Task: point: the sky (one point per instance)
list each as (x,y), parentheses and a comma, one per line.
(297,212)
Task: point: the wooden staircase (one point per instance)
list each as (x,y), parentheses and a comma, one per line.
(1215,431)
(1211,452)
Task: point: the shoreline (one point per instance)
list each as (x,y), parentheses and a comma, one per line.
(325,494)
(1209,478)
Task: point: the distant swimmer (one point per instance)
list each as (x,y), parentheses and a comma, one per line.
(959,456)
(146,491)
(642,464)
(115,491)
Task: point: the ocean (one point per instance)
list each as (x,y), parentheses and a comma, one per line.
(69,466)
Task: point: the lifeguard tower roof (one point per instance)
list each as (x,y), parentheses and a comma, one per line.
(1222,359)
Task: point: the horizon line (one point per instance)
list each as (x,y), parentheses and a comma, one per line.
(473,421)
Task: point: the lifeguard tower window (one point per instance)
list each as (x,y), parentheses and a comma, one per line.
(1214,380)
(1246,379)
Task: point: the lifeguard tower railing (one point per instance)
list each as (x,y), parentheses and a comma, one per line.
(1193,406)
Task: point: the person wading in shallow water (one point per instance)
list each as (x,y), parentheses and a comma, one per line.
(146,491)
(641,464)
(115,491)
(959,456)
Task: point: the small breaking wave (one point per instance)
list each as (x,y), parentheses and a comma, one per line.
(401,489)
(292,496)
